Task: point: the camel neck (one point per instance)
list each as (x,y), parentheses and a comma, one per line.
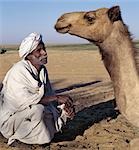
(119,59)
(120,62)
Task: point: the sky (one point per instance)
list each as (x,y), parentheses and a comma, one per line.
(18,18)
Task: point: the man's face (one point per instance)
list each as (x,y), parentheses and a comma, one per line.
(40,53)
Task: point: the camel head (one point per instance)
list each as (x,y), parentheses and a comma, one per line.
(94,26)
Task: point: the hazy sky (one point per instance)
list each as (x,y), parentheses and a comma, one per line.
(18,18)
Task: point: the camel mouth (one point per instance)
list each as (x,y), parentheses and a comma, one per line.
(63,30)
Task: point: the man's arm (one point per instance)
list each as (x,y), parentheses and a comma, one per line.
(46,99)
(61,99)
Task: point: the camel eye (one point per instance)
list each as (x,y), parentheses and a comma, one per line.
(89,19)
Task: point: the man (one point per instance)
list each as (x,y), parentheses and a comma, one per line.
(29,110)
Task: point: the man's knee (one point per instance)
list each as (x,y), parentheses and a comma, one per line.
(37,111)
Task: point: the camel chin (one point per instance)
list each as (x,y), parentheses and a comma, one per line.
(62,30)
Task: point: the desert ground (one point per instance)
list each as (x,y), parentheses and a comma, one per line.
(97,125)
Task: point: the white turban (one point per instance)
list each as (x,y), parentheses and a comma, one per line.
(29,44)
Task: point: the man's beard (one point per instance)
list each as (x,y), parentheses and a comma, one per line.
(43,59)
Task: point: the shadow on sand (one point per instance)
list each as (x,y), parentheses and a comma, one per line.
(86,118)
(75,86)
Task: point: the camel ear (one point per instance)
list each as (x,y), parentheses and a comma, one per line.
(114,13)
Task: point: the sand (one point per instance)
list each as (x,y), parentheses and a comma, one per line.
(98,125)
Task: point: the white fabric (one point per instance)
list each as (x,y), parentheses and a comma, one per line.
(21,117)
(29,44)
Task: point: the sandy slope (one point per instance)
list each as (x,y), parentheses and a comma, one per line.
(97,124)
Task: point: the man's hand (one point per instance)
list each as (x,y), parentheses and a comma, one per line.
(63,99)
(69,107)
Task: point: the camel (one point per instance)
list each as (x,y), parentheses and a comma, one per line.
(106,29)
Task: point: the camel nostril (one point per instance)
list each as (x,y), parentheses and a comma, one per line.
(69,25)
(61,18)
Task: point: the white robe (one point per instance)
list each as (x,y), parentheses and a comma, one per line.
(21,117)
